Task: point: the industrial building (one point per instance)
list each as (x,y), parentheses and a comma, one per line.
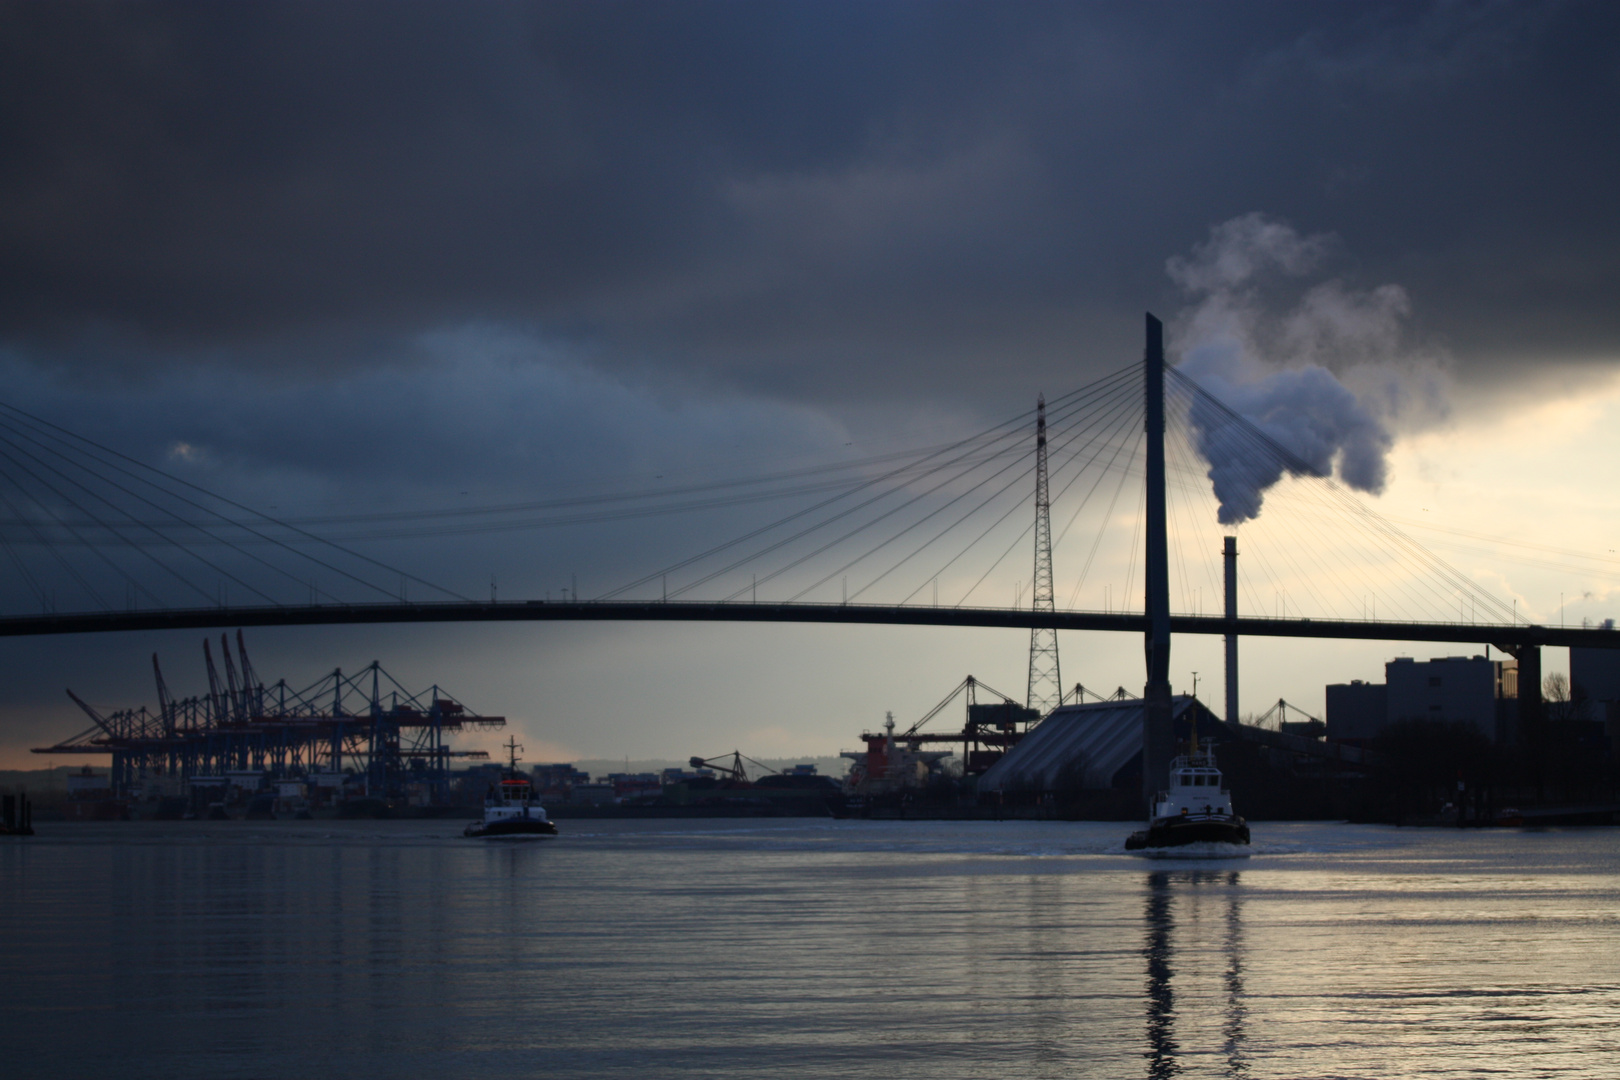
(1356,711)
(1092,745)
(1461,689)
(1594,677)
(1594,687)
(555,779)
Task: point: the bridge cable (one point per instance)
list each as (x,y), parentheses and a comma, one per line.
(1096,543)
(175,543)
(1136,547)
(28,576)
(989,433)
(735,541)
(73,531)
(36,422)
(1359,512)
(1305,547)
(1283,522)
(990,528)
(1189,483)
(881,517)
(780,522)
(1063,440)
(116,533)
(940,535)
(1017,540)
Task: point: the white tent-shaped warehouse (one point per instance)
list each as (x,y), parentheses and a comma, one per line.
(1095,745)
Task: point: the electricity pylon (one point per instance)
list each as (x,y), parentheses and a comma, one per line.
(1045,683)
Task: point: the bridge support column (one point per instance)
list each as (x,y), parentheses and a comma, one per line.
(1158,736)
(1530,706)
(1230,552)
(1530,709)
(1532,728)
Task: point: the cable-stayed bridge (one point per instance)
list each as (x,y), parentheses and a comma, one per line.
(1118,489)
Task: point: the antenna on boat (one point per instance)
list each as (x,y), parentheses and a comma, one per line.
(512,747)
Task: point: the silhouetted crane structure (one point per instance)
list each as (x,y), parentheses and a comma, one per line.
(989,729)
(1276,717)
(362,732)
(731,768)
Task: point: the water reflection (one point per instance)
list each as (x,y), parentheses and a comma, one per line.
(731,950)
(1164,1054)
(1161,1001)
(1236,1010)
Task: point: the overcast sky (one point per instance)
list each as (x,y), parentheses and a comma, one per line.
(334,255)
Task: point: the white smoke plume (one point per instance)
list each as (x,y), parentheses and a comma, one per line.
(1293,374)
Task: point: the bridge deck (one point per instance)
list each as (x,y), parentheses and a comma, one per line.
(869,614)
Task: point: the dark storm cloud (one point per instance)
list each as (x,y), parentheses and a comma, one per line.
(820,199)
(485,420)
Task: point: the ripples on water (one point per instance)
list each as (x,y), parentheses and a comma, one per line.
(811,948)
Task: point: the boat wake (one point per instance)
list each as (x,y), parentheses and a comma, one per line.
(1200,850)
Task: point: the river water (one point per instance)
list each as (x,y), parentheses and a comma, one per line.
(810,948)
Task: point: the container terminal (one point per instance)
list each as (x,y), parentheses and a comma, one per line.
(362,745)
(345,742)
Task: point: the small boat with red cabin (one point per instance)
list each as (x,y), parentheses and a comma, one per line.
(512,808)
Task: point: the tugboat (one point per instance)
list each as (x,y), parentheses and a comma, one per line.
(1195,809)
(512,809)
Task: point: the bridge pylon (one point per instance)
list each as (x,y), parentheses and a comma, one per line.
(1158,737)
